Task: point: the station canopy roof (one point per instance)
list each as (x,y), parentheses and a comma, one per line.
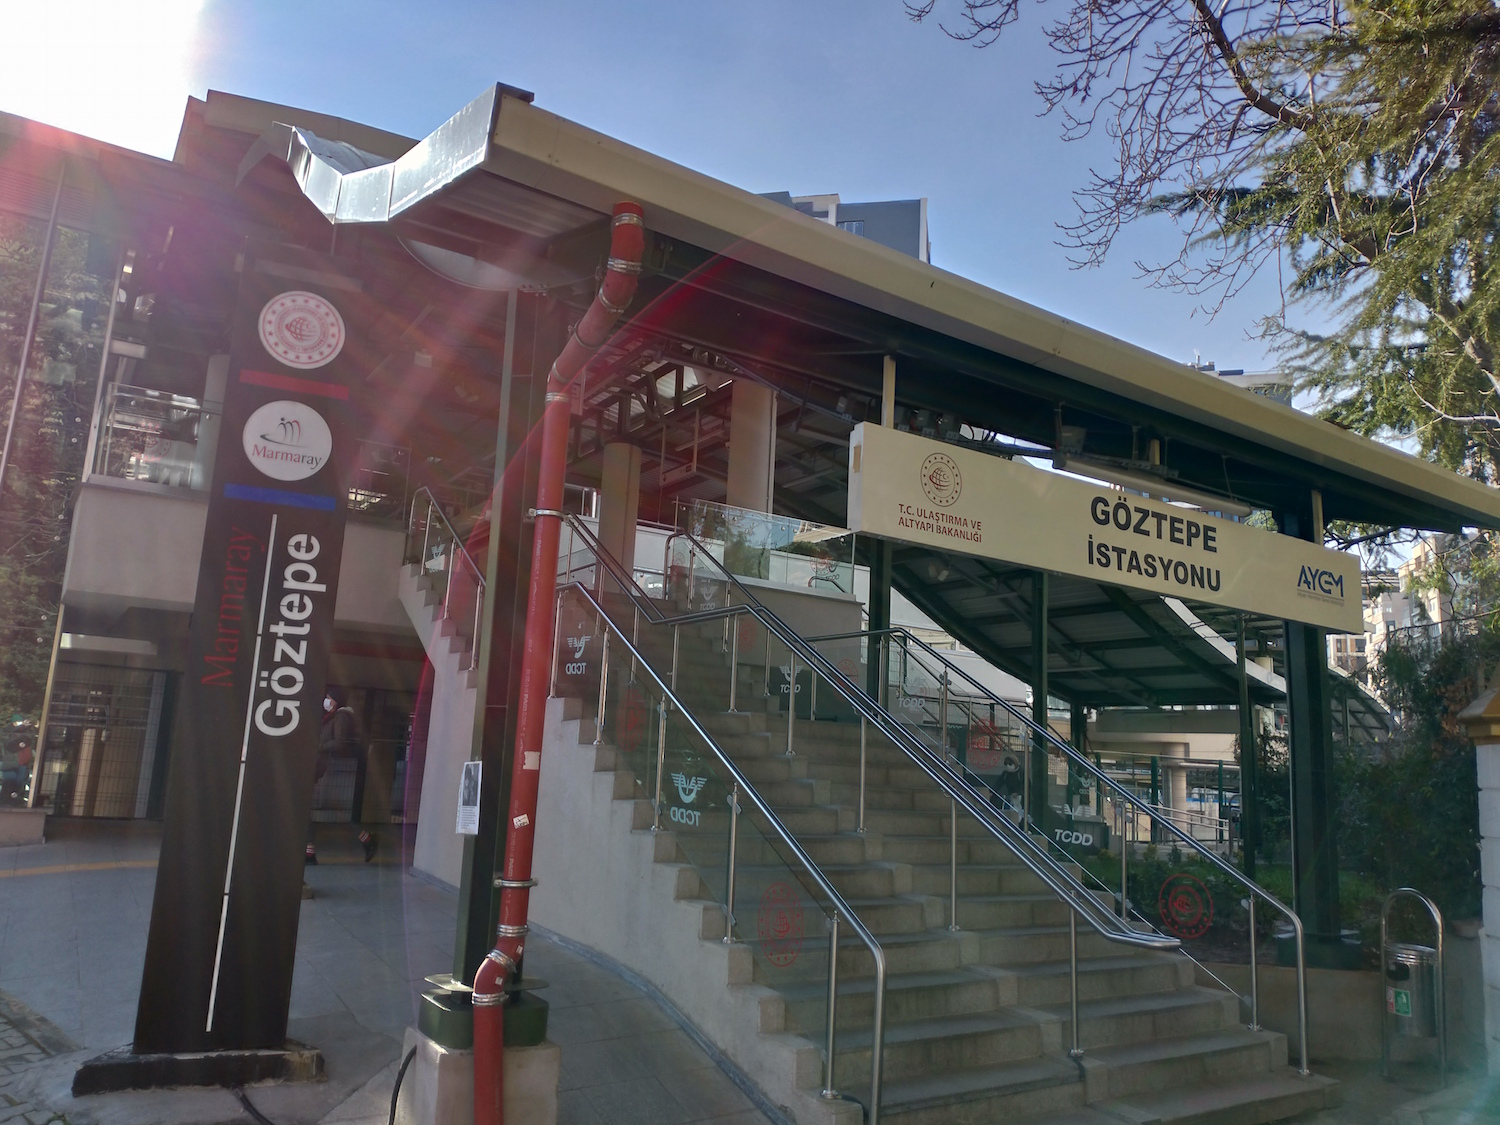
(506,195)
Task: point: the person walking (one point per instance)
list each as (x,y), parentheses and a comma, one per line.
(339,738)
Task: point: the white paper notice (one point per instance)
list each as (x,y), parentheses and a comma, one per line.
(468,800)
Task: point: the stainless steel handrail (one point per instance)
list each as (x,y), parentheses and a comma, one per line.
(1125,796)
(744,787)
(1056,877)
(459,551)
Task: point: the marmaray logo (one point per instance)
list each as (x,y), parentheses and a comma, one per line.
(287,440)
(1324,583)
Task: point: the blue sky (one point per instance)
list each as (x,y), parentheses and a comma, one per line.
(811,96)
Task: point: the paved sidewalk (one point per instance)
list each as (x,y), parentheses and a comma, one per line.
(73,920)
(25,1041)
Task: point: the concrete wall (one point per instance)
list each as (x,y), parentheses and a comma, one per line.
(1488,761)
(368,598)
(136,546)
(1344,1008)
(600,883)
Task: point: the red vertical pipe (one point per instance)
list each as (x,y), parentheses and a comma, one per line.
(627,243)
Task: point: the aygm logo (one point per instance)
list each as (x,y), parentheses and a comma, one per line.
(1324,582)
(301,329)
(941,481)
(287,440)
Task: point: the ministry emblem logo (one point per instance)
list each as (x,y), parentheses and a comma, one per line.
(941,481)
(301,329)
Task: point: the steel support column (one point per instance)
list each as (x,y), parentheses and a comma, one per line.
(1315,873)
(533,338)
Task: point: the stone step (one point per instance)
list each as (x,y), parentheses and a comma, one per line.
(937,849)
(909,998)
(1140,1019)
(989,912)
(932,950)
(1048,983)
(1160,1064)
(1252,1100)
(1031,945)
(917,797)
(975,879)
(822,848)
(944,1044)
(898,774)
(899,914)
(1044,1089)
(779,768)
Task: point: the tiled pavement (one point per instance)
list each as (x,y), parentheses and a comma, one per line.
(25,1040)
(366,940)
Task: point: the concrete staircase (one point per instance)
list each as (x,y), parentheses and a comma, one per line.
(438,852)
(978,1018)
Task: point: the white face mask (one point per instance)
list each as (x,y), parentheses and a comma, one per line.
(328,703)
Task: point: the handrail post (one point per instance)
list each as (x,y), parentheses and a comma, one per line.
(1254,973)
(883,692)
(791,698)
(812,703)
(1077,1051)
(478,606)
(766,683)
(877,1040)
(556,642)
(1026,756)
(860,828)
(1124,860)
(603,690)
(676,637)
(828,1090)
(452,571)
(734,832)
(426,531)
(943,713)
(734,663)
(953,867)
(661,760)
(635,640)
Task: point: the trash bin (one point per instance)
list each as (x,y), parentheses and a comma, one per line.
(1411,988)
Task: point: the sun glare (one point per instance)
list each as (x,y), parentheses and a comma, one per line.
(113,69)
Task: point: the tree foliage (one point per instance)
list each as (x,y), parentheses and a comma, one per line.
(51,433)
(1353,142)
(1409,815)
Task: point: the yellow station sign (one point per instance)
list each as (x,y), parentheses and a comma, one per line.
(921,491)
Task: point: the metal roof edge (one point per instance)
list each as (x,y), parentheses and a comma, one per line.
(552,154)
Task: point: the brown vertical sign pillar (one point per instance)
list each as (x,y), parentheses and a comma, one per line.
(218,973)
